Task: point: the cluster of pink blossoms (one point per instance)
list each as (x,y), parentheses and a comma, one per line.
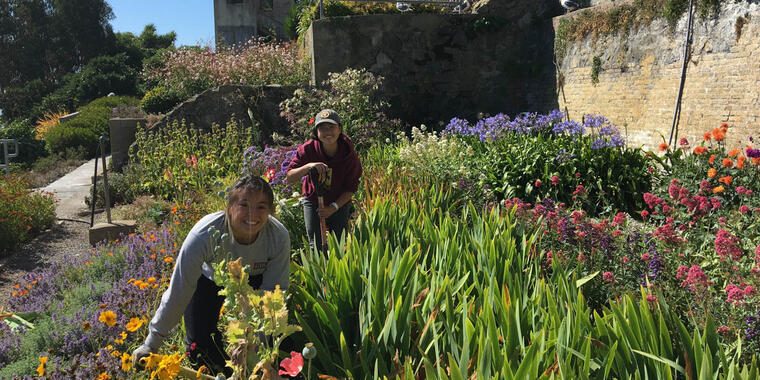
(727,245)
(735,294)
(693,278)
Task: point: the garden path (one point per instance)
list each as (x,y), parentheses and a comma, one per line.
(65,237)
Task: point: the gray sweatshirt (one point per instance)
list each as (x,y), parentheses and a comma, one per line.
(269,255)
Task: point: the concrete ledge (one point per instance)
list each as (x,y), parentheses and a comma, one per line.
(111,231)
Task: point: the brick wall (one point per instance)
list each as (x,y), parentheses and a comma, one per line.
(640,73)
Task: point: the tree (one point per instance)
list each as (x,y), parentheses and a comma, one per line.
(45,40)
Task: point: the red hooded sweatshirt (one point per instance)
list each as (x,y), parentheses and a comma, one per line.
(345,165)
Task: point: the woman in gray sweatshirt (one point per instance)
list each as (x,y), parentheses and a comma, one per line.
(250,232)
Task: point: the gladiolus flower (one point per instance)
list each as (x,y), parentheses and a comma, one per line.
(700,150)
(712,172)
(108,317)
(718,189)
(293,365)
(663,147)
(727,162)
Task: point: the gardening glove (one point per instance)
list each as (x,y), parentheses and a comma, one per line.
(139,353)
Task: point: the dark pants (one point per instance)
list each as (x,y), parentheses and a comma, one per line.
(204,341)
(336,223)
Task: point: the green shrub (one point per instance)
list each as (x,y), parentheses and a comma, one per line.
(357,96)
(120,191)
(160,99)
(83,131)
(30,149)
(24,213)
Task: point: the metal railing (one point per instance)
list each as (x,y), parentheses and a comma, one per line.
(459,3)
(7,156)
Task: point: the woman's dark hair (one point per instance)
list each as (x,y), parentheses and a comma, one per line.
(251,183)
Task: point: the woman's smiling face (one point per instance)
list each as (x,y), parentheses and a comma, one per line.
(248,212)
(328,133)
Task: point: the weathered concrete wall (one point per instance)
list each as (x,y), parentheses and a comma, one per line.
(440,66)
(640,74)
(237,21)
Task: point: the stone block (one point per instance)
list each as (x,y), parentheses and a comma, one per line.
(111,231)
(122,135)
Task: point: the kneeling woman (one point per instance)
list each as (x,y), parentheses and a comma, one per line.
(252,234)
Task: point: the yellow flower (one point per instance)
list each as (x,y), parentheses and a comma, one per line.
(134,324)
(152,279)
(41,368)
(168,259)
(108,317)
(126,362)
(718,189)
(168,368)
(104,376)
(201,371)
(151,361)
(116,353)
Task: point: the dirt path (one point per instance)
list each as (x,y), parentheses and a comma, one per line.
(64,238)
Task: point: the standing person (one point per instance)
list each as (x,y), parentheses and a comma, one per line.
(250,232)
(332,154)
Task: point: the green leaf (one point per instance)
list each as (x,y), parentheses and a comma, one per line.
(585,279)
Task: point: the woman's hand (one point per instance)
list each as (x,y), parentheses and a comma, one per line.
(321,169)
(326,212)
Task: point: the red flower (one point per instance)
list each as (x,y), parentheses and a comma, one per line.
(311,121)
(270,174)
(293,365)
(663,147)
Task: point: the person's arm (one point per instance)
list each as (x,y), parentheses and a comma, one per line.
(295,175)
(184,280)
(278,268)
(328,210)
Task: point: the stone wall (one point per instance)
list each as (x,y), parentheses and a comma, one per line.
(246,104)
(237,21)
(441,66)
(640,72)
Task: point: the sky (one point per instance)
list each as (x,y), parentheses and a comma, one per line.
(192,20)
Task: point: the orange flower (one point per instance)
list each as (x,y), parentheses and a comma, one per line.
(707,136)
(740,164)
(724,126)
(720,136)
(725,180)
(756,160)
(103,376)
(727,162)
(108,317)
(663,147)
(712,159)
(718,189)
(41,368)
(712,172)
(168,259)
(134,324)
(700,150)
(86,326)
(733,152)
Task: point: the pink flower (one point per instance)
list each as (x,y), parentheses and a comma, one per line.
(555,180)
(646,257)
(616,233)
(727,245)
(723,330)
(293,365)
(619,219)
(581,257)
(537,183)
(577,174)
(695,279)
(682,272)
(734,294)
(625,259)
(744,209)
(644,214)
(651,298)
(749,290)
(674,189)
(608,277)
(579,190)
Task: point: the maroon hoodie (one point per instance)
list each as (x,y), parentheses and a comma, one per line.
(345,165)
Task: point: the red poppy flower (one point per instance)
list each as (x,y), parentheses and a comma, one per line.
(311,121)
(293,365)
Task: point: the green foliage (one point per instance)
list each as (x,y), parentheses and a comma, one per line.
(30,149)
(160,99)
(83,131)
(357,96)
(596,68)
(120,191)
(46,40)
(24,214)
(179,158)
(612,178)
(16,102)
